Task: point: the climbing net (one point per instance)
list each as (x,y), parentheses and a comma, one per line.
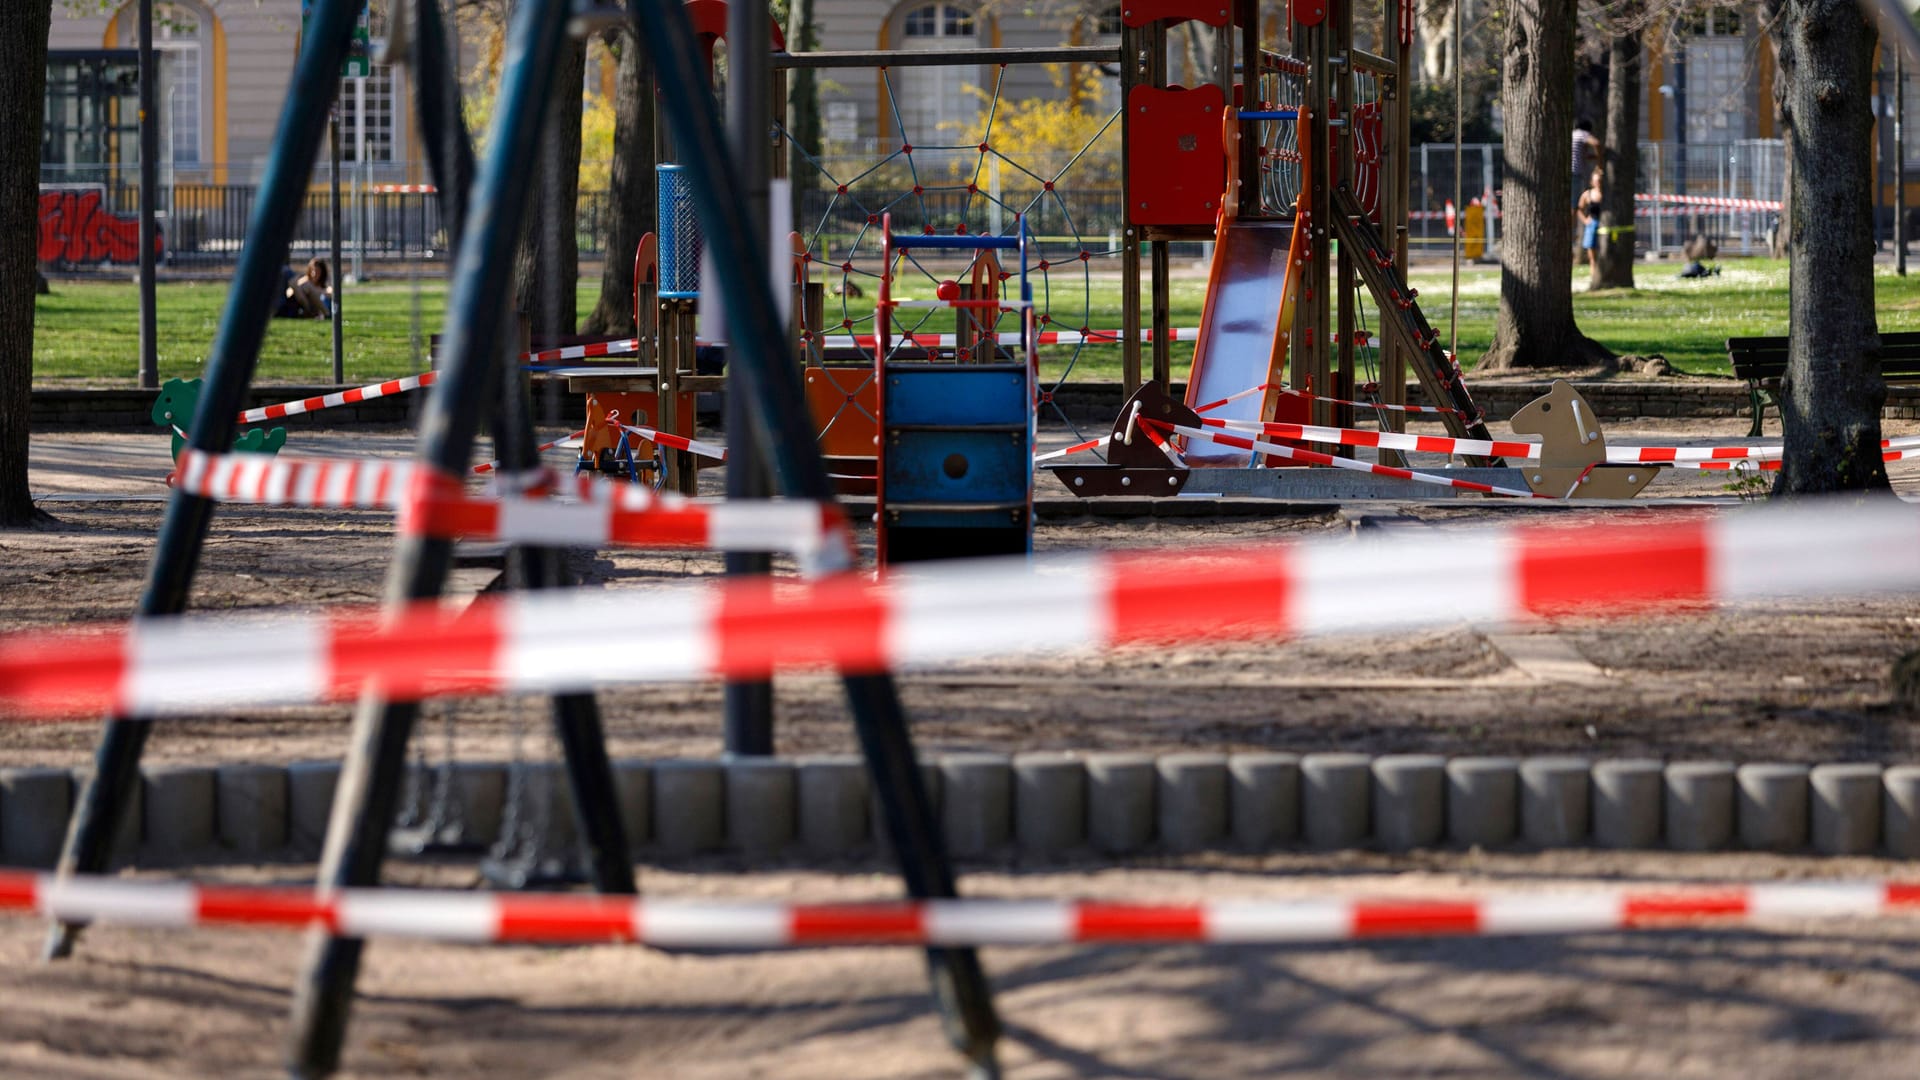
(944,181)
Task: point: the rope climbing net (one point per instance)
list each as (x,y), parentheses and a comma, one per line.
(958,180)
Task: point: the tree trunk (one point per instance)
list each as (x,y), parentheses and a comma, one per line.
(1831,396)
(1535,326)
(803,104)
(547,266)
(632,203)
(1613,263)
(23,94)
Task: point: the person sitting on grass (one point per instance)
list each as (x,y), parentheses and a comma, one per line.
(307,296)
(1590,202)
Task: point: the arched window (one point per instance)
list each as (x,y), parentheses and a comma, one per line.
(935,103)
(183,54)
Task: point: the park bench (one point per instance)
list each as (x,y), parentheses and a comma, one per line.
(1761,361)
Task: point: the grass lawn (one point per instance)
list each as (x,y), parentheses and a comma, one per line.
(86,334)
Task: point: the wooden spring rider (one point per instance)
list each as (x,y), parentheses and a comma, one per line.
(1573,450)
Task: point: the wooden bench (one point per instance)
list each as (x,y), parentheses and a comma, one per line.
(1762,361)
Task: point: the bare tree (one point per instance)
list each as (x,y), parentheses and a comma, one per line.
(546,268)
(1535,326)
(633,198)
(1831,397)
(23,94)
(1613,261)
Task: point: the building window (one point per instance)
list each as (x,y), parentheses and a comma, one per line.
(179,44)
(1108,23)
(371,100)
(935,104)
(939,20)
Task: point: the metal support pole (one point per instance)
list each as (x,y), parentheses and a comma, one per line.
(747,703)
(334,270)
(1132,42)
(474,336)
(758,354)
(1899,162)
(149,197)
(243,325)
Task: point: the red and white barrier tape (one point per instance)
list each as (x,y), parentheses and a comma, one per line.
(1371,405)
(625,347)
(344,397)
(678,442)
(575,918)
(286,480)
(610,513)
(1686,203)
(1292,453)
(1047,337)
(490,466)
(963,610)
(1514,448)
(1773,464)
(1076,448)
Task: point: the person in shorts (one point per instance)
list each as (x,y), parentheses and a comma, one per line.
(1588,206)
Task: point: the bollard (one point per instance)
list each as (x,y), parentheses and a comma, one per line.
(689,806)
(250,805)
(1846,808)
(1263,804)
(1049,802)
(1772,807)
(1628,797)
(1335,790)
(1192,797)
(1699,805)
(1900,810)
(1483,800)
(1409,800)
(1554,794)
(310,787)
(831,790)
(760,804)
(1120,803)
(126,842)
(34,803)
(179,810)
(976,792)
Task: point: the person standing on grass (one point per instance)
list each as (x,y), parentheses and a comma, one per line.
(1588,207)
(1588,153)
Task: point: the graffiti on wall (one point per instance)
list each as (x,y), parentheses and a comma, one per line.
(76,227)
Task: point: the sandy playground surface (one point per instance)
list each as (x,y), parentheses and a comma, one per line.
(1805,681)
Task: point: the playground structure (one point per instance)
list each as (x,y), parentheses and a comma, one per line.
(975,399)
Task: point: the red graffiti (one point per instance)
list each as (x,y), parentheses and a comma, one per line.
(75,229)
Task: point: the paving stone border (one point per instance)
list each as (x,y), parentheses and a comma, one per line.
(1091,403)
(1056,803)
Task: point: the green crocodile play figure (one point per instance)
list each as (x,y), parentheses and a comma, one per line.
(174,408)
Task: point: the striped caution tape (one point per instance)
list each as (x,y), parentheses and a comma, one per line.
(678,442)
(1310,457)
(490,466)
(344,397)
(1773,464)
(1046,337)
(576,918)
(1076,448)
(1681,204)
(1514,448)
(626,347)
(608,513)
(751,628)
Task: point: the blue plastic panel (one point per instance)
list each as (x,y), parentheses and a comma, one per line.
(993,467)
(679,234)
(957,394)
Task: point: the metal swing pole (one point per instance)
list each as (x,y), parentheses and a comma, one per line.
(243,325)
(747,704)
(758,356)
(475,337)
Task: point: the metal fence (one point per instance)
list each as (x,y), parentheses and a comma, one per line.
(203,225)
(1726,191)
